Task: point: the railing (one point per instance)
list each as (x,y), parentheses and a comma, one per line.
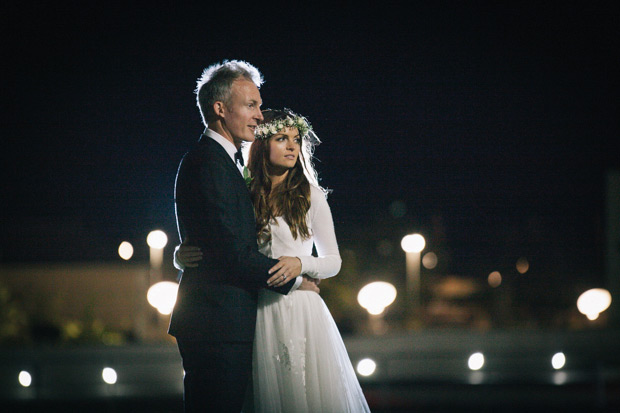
(427,368)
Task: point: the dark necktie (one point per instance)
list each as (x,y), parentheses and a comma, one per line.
(239,157)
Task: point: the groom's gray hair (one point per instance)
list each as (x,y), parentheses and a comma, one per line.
(216,82)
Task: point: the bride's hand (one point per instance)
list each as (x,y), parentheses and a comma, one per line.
(284,271)
(188,255)
(310,284)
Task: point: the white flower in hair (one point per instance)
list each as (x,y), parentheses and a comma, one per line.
(268,129)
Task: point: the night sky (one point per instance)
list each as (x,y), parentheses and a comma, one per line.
(492,125)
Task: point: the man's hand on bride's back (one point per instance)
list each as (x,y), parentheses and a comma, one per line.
(310,284)
(188,256)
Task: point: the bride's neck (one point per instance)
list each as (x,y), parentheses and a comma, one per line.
(277,177)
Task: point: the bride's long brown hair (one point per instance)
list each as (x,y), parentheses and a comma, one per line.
(290,199)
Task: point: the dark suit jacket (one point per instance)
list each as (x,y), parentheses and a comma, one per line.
(217,300)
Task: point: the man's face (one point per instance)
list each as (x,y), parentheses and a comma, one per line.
(242,114)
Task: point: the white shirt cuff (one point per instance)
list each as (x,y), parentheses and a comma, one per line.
(297,284)
(177,264)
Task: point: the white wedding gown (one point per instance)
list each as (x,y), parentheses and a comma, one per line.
(300,363)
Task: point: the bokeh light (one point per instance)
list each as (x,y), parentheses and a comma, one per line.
(109,375)
(24,378)
(429,260)
(125,250)
(476,361)
(366,367)
(163,296)
(413,243)
(157,239)
(495,279)
(523,265)
(375,296)
(558,360)
(593,302)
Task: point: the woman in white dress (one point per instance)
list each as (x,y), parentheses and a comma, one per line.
(300,363)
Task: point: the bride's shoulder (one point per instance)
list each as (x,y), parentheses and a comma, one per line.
(318,195)
(316,190)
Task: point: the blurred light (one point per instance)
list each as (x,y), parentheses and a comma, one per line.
(429,261)
(523,265)
(25,379)
(73,329)
(476,361)
(366,367)
(558,360)
(559,378)
(375,296)
(162,296)
(413,243)
(125,250)
(385,248)
(593,302)
(452,287)
(398,209)
(495,279)
(109,375)
(476,377)
(157,239)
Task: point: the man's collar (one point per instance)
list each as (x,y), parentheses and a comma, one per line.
(230,148)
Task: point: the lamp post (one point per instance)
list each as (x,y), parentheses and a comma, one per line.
(156,241)
(162,296)
(593,302)
(375,298)
(413,244)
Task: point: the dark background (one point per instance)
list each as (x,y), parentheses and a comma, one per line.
(493,125)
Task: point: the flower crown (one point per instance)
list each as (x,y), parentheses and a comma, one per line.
(266,130)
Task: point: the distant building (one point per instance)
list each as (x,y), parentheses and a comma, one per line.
(76,298)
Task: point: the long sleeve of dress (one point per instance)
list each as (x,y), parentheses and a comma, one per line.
(328,262)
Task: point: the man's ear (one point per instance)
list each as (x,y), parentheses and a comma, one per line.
(219,109)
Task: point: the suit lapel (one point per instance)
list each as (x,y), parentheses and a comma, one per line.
(216,148)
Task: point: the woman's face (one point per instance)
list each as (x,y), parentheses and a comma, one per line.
(284,148)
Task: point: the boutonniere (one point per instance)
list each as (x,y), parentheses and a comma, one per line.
(247,177)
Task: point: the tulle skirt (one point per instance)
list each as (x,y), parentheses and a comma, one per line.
(300,363)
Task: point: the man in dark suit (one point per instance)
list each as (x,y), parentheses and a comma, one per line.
(215,313)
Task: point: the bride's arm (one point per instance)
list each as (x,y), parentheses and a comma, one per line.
(328,262)
(188,256)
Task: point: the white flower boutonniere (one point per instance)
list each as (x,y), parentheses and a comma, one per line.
(247,177)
